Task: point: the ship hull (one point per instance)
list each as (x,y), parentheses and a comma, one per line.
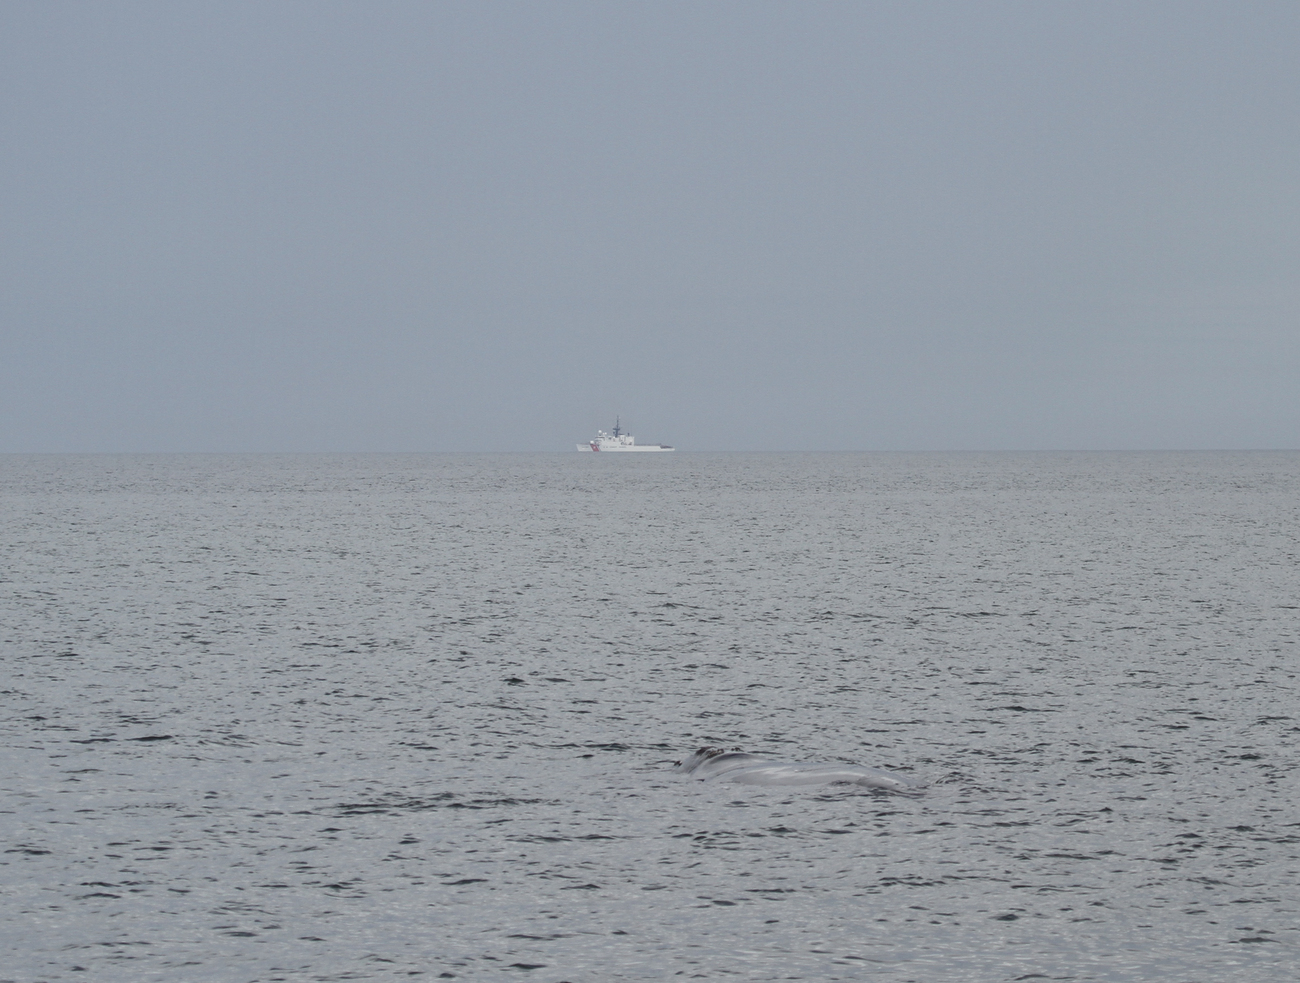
(644,448)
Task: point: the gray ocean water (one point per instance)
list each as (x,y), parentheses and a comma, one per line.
(389,717)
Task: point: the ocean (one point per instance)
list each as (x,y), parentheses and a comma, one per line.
(369,717)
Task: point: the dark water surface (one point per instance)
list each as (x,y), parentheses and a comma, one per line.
(370,717)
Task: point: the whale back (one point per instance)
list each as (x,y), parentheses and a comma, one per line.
(752,769)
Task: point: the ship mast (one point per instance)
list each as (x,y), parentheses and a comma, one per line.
(616,431)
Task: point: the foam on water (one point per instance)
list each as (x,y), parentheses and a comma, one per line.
(320,718)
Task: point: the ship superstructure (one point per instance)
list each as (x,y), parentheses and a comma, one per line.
(619,441)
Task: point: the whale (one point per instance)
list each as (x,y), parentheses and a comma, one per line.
(720,765)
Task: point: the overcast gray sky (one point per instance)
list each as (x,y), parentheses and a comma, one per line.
(740,226)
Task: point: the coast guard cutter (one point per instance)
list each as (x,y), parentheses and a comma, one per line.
(619,441)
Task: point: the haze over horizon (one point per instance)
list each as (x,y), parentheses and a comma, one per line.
(738,226)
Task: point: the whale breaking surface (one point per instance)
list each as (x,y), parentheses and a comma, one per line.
(717,764)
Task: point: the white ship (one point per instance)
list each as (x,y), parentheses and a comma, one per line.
(619,441)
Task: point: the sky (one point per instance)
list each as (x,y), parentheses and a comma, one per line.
(737,226)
